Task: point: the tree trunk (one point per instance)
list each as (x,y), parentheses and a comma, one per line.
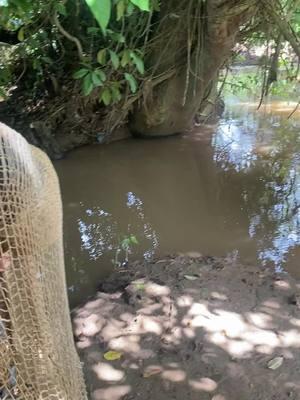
(202,39)
(212,106)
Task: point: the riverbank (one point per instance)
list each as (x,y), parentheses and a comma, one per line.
(191,327)
(59,123)
(67,120)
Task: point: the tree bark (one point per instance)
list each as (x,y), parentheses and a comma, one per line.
(170,108)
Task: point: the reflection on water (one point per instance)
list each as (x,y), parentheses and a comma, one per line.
(234,146)
(100,233)
(102,229)
(270,146)
(136,205)
(228,189)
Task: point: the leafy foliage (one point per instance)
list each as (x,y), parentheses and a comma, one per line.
(101,11)
(248,84)
(104,44)
(125,245)
(110,59)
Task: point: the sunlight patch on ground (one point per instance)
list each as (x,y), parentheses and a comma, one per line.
(195,337)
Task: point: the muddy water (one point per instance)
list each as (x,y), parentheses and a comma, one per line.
(231,189)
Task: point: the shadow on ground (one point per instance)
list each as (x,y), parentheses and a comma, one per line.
(192,327)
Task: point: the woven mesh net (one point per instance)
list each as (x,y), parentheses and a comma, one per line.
(38,359)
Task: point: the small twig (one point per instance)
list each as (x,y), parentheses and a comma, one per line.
(295,109)
(68,36)
(223,82)
(147,29)
(188,67)
(263,89)
(58,110)
(22,73)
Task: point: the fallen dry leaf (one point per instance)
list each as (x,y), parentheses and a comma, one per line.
(275,363)
(112,355)
(161,261)
(150,371)
(191,277)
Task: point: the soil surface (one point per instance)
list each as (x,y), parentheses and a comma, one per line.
(192,327)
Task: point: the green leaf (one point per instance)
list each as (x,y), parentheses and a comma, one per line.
(155,5)
(21,35)
(130,9)
(114,59)
(116,95)
(24,5)
(101,74)
(96,79)
(143,5)
(61,9)
(101,10)
(101,56)
(138,285)
(88,85)
(133,239)
(47,60)
(117,37)
(80,73)
(2,93)
(112,355)
(120,9)
(92,29)
(106,96)
(139,63)
(125,243)
(125,58)
(36,64)
(132,82)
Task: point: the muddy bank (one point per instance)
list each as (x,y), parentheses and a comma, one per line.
(192,327)
(59,123)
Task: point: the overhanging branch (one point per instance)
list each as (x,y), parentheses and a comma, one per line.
(285,29)
(68,36)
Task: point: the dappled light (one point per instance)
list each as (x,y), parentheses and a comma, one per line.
(197,337)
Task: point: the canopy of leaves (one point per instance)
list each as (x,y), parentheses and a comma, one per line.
(105,45)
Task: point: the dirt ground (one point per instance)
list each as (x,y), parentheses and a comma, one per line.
(192,327)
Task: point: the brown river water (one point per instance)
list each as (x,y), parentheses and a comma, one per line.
(232,189)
